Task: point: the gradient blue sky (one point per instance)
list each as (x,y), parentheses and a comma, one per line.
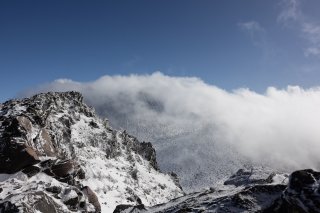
(228,43)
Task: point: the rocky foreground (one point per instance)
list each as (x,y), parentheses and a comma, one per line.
(57,156)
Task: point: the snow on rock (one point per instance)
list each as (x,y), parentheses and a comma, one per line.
(53,146)
(249,190)
(301,195)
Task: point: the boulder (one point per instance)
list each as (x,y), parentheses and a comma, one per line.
(47,146)
(31,170)
(71,199)
(16,158)
(8,207)
(41,203)
(63,168)
(92,198)
(54,189)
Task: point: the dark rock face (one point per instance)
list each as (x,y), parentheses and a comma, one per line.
(65,171)
(146,149)
(129,208)
(8,207)
(301,195)
(54,189)
(63,168)
(304,180)
(31,170)
(14,153)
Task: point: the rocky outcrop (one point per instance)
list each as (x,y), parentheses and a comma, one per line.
(53,146)
(15,153)
(92,197)
(249,190)
(251,175)
(8,207)
(301,195)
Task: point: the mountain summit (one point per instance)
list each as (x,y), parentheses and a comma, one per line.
(56,155)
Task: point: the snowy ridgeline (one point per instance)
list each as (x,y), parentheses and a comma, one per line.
(54,146)
(249,190)
(57,156)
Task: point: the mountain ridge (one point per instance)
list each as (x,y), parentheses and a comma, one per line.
(56,144)
(248,190)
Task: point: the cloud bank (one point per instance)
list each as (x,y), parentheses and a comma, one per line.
(203,132)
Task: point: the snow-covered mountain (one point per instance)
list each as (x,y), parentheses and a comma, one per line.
(56,155)
(249,190)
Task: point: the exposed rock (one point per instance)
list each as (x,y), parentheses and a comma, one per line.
(41,203)
(31,170)
(48,148)
(175,178)
(54,189)
(92,198)
(301,195)
(255,192)
(25,123)
(16,157)
(8,207)
(304,180)
(146,149)
(71,199)
(130,208)
(81,173)
(249,199)
(63,168)
(53,142)
(251,175)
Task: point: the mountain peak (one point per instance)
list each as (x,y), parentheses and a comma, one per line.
(56,142)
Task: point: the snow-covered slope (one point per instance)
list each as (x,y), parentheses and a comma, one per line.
(249,190)
(56,155)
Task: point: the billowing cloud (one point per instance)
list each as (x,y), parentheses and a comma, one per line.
(204,132)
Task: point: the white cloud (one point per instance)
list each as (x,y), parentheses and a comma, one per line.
(204,132)
(309,30)
(257,34)
(291,11)
(252,26)
(312,51)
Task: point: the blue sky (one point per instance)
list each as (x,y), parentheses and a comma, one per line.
(227,43)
